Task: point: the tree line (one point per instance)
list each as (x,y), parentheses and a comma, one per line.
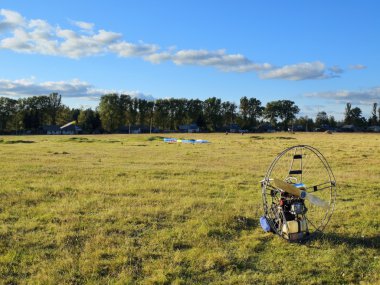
(118,111)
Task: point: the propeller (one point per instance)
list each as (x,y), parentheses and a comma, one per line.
(291,189)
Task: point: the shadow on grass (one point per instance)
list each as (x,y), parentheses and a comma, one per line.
(271,138)
(155,138)
(338,239)
(16,141)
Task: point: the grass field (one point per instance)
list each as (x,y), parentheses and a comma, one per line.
(126,209)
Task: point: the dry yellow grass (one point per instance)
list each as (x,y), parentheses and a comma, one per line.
(125,209)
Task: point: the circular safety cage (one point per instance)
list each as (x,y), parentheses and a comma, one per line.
(299,192)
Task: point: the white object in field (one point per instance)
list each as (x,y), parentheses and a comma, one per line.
(289,188)
(68,124)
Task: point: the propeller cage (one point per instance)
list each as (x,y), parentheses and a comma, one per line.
(292,214)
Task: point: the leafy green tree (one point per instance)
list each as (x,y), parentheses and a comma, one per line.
(288,112)
(332,122)
(285,110)
(110,112)
(66,114)
(8,110)
(373,120)
(348,114)
(89,120)
(181,112)
(321,119)
(212,111)
(161,114)
(53,106)
(354,116)
(229,113)
(305,122)
(150,108)
(195,113)
(244,111)
(357,118)
(143,111)
(272,112)
(33,112)
(125,102)
(134,111)
(255,111)
(177,112)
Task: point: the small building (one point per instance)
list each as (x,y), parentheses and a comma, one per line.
(51,130)
(233,128)
(375,129)
(56,130)
(134,129)
(192,128)
(265,128)
(71,130)
(349,128)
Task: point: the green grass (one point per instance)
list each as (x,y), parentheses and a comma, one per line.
(126,209)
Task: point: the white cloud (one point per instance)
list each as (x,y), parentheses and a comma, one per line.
(218,59)
(83,25)
(140,95)
(158,57)
(357,67)
(75,45)
(336,69)
(39,37)
(19,42)
(125,49)
(11,20)
(364,96)
(311,111)
(68,89)
(302,71)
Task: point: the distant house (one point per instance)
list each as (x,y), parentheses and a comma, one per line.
(192,128)
(265,128)
(375,129)
(299,128)
(71,130)
(123,130)
(349,128)
(135,129)
(56,130)
(233,128)
(51,130)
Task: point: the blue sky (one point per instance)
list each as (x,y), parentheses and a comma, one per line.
(320,54)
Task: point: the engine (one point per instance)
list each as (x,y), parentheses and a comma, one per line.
(290,217)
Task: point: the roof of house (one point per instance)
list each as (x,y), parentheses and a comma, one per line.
(348,127)
(51,128)
(190,126)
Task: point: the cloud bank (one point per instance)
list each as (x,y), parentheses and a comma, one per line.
(37,36)
(69,89)
(363,97)
(357,67)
